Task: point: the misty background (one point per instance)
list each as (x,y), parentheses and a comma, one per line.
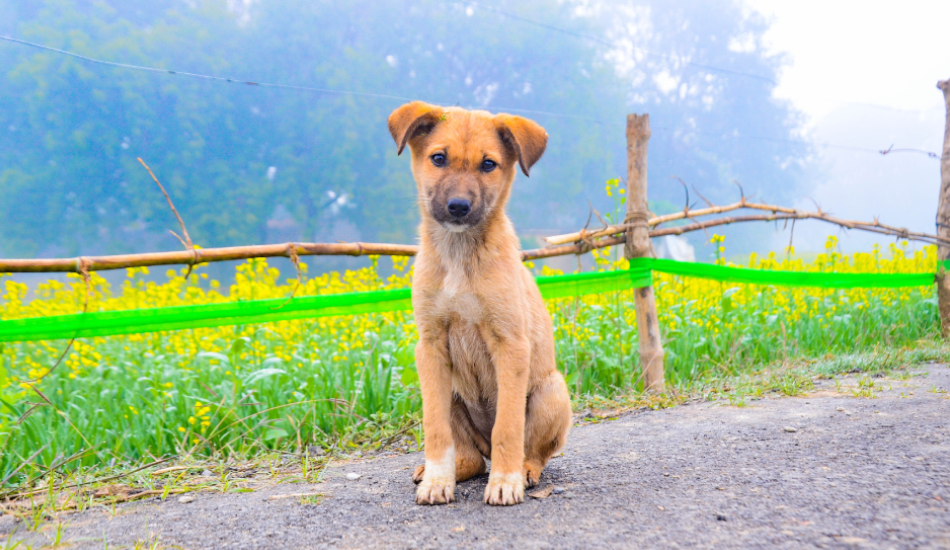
(755,92)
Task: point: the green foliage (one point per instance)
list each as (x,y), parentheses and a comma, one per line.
(284,388)
(70,131)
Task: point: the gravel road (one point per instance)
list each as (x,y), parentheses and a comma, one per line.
(827,470)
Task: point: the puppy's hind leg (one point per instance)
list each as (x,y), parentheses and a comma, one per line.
(546,425)
(470,447)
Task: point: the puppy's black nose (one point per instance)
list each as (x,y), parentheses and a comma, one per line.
(459,207)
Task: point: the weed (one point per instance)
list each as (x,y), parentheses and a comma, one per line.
(311,499)
(792,384)
(865,388)
(736,398)
(11,544)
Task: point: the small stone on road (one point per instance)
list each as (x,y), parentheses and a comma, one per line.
(542,493)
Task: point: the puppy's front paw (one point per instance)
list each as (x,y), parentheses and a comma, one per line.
(505,490)
(435,491)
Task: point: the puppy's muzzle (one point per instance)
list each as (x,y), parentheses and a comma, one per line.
(459,208)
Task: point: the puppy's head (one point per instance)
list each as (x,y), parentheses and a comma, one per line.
(465,161)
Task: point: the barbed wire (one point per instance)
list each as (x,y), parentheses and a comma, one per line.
(403,98)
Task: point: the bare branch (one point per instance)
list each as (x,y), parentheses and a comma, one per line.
(791,236)
(186,241)
(184,231)
(741,191)
(686,189)
(874,227)
(707,201)
(579,242)
(210,255)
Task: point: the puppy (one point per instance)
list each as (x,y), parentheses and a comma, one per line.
(485,357)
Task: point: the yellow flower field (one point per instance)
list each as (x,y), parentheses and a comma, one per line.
(290,384)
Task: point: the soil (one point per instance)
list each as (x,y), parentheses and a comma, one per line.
(826,470)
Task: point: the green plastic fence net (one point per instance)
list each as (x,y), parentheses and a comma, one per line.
(110,323)
(787,278)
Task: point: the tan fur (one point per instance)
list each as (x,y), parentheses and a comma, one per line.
(490,386)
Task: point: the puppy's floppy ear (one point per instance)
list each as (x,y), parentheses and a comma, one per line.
(527,138)
(410,119)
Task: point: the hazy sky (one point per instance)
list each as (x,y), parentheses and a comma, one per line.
(844,54)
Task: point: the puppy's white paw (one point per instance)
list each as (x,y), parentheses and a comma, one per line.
(435,491)
(438,480)
(505,489)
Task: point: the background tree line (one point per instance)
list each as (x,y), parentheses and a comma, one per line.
(246,164)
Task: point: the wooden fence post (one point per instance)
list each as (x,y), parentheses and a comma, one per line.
(638,246)
(943,219)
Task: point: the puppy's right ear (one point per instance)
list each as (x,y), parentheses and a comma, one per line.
(411,120)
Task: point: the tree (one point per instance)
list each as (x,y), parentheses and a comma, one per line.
(230,154)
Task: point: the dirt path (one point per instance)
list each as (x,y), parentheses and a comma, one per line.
(854,473)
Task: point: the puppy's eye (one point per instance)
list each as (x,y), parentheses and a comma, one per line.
(438,159)
(488,165)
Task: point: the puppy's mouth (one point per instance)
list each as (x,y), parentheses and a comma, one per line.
(454,226)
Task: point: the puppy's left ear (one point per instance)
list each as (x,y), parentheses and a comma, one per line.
(527,138)
(410,120)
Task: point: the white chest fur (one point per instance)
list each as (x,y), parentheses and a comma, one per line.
(457,299)
(455,283)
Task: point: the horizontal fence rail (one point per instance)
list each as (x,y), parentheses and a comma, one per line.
(198,256)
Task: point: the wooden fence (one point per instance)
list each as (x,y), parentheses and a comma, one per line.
(635,233)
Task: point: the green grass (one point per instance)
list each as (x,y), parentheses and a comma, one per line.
(271,389)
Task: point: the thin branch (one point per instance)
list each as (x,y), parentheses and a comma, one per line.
(874,227)
(25,462)
(790,237)
(181,222)
(562,250)
(685,189)
(84,271)
(596,213)
(705,200)
(741,190)
(186,241)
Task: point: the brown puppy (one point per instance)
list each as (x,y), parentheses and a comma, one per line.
(490,386)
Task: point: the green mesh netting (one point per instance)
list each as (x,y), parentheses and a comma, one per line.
(786,278)
(110,323)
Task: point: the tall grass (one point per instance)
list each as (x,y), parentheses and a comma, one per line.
(349,381)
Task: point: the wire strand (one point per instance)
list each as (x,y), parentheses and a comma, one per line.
(402,98)
(202,76)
